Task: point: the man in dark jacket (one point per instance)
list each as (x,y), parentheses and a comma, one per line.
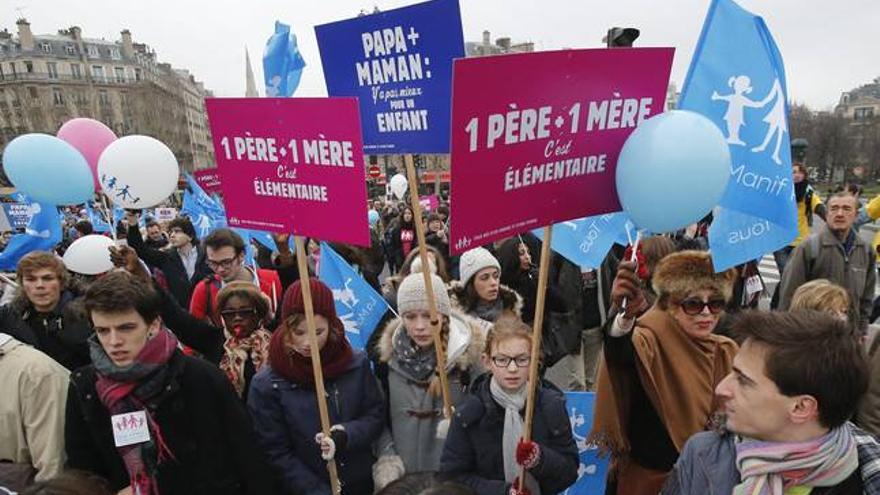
(46,314)
(183,265)
(149,419)
(796,380)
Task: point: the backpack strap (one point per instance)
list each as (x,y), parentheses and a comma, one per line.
(813,247)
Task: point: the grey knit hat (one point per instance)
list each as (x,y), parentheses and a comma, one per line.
(473,261)
(412,296)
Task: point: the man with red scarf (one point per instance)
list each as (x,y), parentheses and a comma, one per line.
(149,419)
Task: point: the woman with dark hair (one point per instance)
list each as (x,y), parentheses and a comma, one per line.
(284,409)
(402,236)
(479,293)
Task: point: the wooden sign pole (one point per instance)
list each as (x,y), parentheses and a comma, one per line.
(429,287)
(315,353)
(538,325)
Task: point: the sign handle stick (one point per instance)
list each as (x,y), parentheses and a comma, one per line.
(429,287)
(320,394)
(109,216)
(633,257)
(538,325)
(8,280)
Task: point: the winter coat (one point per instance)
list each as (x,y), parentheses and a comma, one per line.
(286,421)
(472,454)
(510,300)
(203,422)
(413,411)
(179,283)
(868,414)
(33,388)
(707,466)
(823,257)
(62,334)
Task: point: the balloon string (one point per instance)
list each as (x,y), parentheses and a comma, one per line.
(633,256)
(109,217)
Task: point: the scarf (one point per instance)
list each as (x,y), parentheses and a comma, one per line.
(490,311)
(236,351)
(513,403)
(770,468)
(294,367)
(419,363)
(127,389)
(678,374)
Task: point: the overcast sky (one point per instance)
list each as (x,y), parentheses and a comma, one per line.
(828,46)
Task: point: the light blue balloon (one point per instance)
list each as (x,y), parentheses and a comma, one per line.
(672,170)
(48,170)
(373,217)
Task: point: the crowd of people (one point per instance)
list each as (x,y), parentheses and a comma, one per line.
(186,370)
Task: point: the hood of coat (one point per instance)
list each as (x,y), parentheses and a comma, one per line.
(510,299)
(466,341)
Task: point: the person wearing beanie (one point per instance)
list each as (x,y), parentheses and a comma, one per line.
(408,370)
(479,292)
(661,367)
(182,263)
(285,412)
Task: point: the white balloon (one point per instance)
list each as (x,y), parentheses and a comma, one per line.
(138,171)
(398,185)
(89,255)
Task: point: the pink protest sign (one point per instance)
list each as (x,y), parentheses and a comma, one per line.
(535,136)
(292,165)
(208,179)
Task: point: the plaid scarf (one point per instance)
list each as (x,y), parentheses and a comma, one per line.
(770,468)
(236,351)
(128,389)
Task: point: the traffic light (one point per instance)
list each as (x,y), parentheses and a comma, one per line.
(621,37)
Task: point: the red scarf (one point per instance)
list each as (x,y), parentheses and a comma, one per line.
(293,366)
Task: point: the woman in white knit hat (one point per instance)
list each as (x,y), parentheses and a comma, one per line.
(408,370)
(479,292)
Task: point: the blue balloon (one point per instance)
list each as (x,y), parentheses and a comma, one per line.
(672,170)
(48,170)
(373,217)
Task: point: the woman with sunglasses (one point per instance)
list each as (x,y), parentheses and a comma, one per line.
(656,386)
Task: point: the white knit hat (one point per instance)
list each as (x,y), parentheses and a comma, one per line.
(473,261)
(412,296)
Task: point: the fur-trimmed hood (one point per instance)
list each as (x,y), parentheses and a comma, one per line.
(510,299)
(466,335)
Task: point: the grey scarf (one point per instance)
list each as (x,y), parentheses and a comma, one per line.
(413,360)
(489,311)
(512,403)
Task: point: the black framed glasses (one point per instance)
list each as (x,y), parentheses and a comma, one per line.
(504,361)
(225,264)
(231,314)
(694,306)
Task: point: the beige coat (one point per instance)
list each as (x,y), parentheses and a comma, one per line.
(33,395)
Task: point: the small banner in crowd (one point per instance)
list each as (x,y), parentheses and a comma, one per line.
(358,305)
(586,241)
(42,233)
(292,165)
(530,155)
(737,79)
(209,179)
(204,213)
(592,469)
(19,214)
(398,63)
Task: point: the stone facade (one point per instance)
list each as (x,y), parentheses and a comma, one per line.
(46,80)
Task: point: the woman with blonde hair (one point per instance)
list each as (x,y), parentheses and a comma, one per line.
(821,295)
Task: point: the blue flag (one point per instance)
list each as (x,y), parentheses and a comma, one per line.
(42,234)
(737,79)
(592,469)
(282,62)
(359,306)
(586,241)
(205,213)
(97,219)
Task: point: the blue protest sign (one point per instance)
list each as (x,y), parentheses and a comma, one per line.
(737,79)
(592,469)
(586,241)
(399,65)
(42,233)
(359,306)
(19,214)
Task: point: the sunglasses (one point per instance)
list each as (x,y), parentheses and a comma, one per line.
(231,314)
(693,306)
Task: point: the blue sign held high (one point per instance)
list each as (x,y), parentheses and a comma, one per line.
(586,241)
(283,63)
(42,233)
(398,63)
(737,79)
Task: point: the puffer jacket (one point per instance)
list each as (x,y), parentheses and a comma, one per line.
(414,413)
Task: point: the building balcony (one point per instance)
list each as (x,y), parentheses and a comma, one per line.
(59,78)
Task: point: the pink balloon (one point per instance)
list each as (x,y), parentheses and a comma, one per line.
(90,137)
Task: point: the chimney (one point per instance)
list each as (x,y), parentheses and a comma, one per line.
(503,43)
(127,45)
(76,32)
(25,37)
(486,38)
